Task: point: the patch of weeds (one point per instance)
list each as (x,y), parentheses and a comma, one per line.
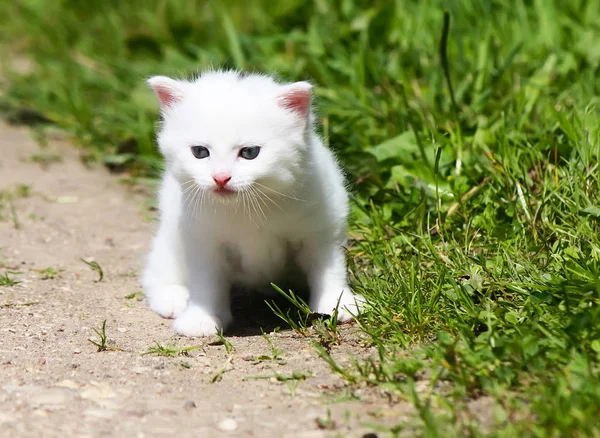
(7,203)
(324,354)
(222,340)
(102,343)
(341,395)
(326,333)
(138,296)
(23,191)
(49,273)
(6,281)
(13,214)
(45,158)
(94,266)
(275,355)
(298,321)
(300,318)
(326,329)
(275,352)
(228,366)
(170,350)
(292,385)
(327,422)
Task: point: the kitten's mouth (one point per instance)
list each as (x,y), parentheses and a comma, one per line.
(224,191)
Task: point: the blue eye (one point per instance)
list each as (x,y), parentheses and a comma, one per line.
(250,152)
(200,152)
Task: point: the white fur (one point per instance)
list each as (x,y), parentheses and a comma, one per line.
(289,202)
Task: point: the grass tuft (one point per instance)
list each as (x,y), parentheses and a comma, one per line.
(138,296)
(49,273)
(170,350)
(102,343)
(6,281)
(222,340)
(95,267)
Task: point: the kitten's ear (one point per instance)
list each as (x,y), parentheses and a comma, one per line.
(296,97)
(167,90)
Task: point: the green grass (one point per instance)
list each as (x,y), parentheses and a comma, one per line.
(102,343)
(138,296)
(474,170)
(222,340)
(170,350)
(49,273)
(6,281)
(94,266)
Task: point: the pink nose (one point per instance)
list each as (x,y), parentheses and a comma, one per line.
(221,179)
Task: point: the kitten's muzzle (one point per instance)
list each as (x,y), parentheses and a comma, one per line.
(221,179)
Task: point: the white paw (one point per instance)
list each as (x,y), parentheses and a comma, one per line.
(350,305)
(168,301)
(195,321)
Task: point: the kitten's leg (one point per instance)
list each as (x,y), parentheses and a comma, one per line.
(208,310)
(325,267)
(164,279)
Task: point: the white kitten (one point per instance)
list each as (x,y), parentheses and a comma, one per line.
(248,187)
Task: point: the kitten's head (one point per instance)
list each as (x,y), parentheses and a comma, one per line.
(225,133)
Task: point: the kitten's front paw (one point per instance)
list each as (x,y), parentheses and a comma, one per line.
(349,305)
(195,321)
(168,301)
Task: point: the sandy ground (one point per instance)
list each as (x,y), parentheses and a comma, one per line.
(53,382)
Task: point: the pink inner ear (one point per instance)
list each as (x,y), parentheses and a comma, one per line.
(167,90)
(297,99)
(166,95)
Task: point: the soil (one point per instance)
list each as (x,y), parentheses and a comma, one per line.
(54,382)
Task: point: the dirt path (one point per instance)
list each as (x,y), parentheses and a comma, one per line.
(53,382)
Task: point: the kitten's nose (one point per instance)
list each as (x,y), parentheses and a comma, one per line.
(221,179)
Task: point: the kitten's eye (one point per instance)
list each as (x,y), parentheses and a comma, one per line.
(250,152)
(200,152)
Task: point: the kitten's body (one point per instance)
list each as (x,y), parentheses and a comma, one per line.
(287,206)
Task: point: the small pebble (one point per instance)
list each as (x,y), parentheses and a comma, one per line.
(228,425)
(189,405)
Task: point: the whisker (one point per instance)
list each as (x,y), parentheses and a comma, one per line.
(198,195)
(243,193)
(188,186)
(256,198)
(253,201)
(249,211)
(190,197)
(264,195)
(263,202)
(278,193)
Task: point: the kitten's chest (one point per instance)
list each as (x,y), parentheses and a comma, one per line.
(259,258)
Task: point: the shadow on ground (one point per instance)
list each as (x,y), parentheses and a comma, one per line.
(251,314)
